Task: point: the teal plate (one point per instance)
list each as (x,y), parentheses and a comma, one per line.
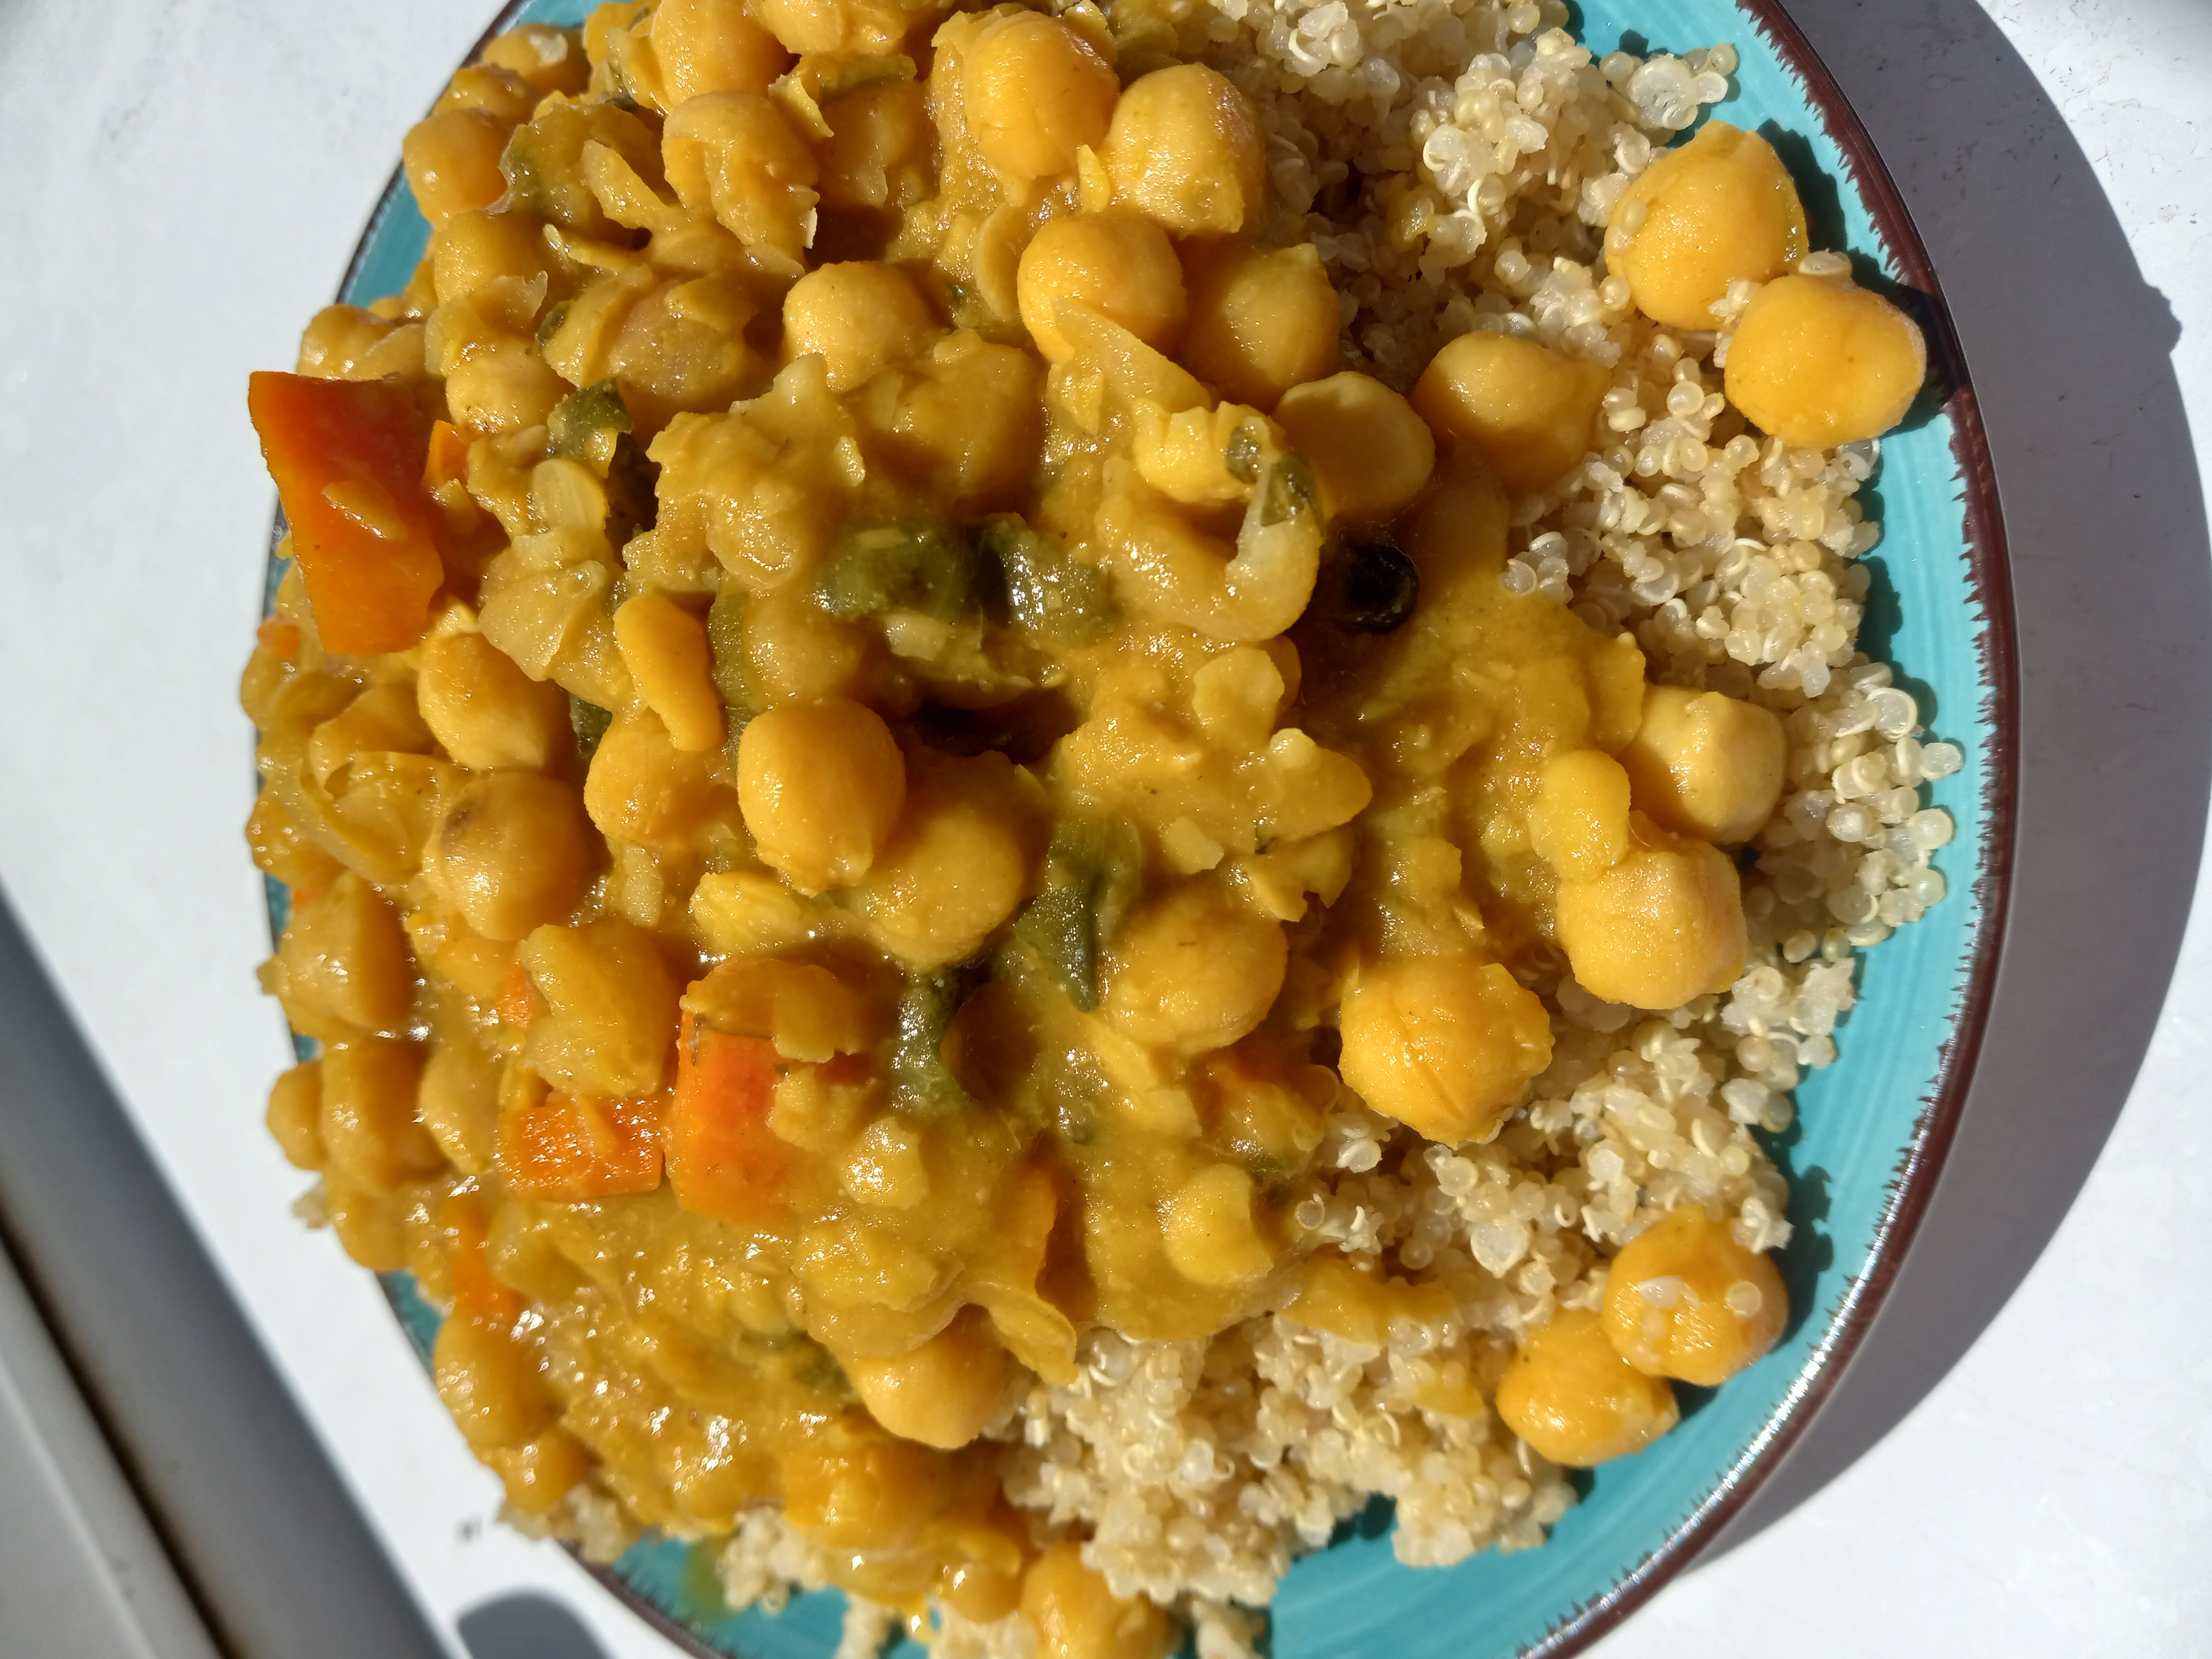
(1871,1130)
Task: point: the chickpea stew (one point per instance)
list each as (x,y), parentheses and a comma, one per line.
(1055,795)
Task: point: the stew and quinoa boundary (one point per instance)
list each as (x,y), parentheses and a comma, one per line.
(1378,1088)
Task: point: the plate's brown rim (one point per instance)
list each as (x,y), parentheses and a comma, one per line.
(1913,1184)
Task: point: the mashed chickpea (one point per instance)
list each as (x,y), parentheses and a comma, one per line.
(939,785)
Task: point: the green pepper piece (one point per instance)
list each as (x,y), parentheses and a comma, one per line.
(922,1084)
(1037,584)
(588,423)
(1093,869)
(589,722)
(919,564)
(726,639)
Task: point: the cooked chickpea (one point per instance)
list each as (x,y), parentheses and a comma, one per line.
(663,645)
(957,866)
(503,388)
(1077,1617)
(370,1133)
(543,55)
(472,249)
(821,785)
(538,1473)
(345,959)
(1186,150)
(1706,764)
(1684,1299)
(295,1115)
(1034,91)
(344,342)
(1117,264)
(1443,1043)
(862,28)
(968,421)
(368,1225)
(1262,321)
(1209,1231)
(1576,1401)
(452,161)
(878,151)
(1580,819)
(484,711)
(858,317)
(459,1102)
(712,45)
(644,790)
(943,1394)
(1370,452)
(1194,968)
(1721,209)
(1525,408)
(611,1006)
(279,850)
(797,652)
(1817,362)
(1663,924)
(736,155)
(513,852)
(492,1380)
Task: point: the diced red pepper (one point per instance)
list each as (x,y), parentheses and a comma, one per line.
(723,1159)
(572,1150)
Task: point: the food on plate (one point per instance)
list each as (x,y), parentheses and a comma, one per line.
(1061,789)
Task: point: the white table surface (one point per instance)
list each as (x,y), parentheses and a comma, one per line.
(183,181)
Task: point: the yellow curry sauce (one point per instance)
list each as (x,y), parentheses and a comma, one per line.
(914,734)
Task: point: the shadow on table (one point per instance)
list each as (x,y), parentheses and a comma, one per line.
(2110,565)
(526,1626)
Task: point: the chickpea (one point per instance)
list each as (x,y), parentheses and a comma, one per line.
(1577,1402)
(1209,1232)
(1443,1043)
(345,960)
(344,342)
(712,45)
(957,864)
(736,155)
(279,850)
(1077,1617)
(1370,452)
(368,1225)
(503,388)
(879,153)
(1818,361)
(538,1473)
(1118,266)
(797,652)
(861,28)
(459,1102)
(943,1394)
(1718,210)
(609,1024)
(295,1115)
(492,1380)
(821,785)
(1035,92)
(1523,408)
(1194,968)
(371,1135)
(1706,764)
(1262,321)
(643,790)
(858,317)
(1684,1299)
(452,161)
(547,57)
(663,645)
(1580,820)
(969,422)
(1184,148)
(484,711)
(513,852)
(473,249)
(1663,924)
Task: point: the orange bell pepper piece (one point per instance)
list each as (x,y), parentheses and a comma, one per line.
(723,1159)
(476,1294)
(573,1150)
(348,457)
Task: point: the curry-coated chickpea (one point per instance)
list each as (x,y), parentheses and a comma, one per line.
(1034,91)
(371,1134)
(1720,209)
(664,648)
(1444,1043)
(452,161)
(712,45)
(369,1225)
(796,652)
(1684,1299)
(864,28)
(345,342)
(1261,320)
(1576,1401)
(821,785)
(858,316)
(1076,1616)
(1194,968)
(1370,452)
(492,1380)
(458,1101)
(957,864)
(642,789)
(1818,360)
(514,850)
(538,1473)
(1118,265)
(737,155)
(879,153)
(345,959)
(1705,763)
(482,246)
(1185,149)
(1579,821)
(279,850)
(609,1018)
(295,1115)
(484,711)
(1525,408)
(502,387)
(943,1394)
(1209,1231)
(549,59)
(1663,924)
